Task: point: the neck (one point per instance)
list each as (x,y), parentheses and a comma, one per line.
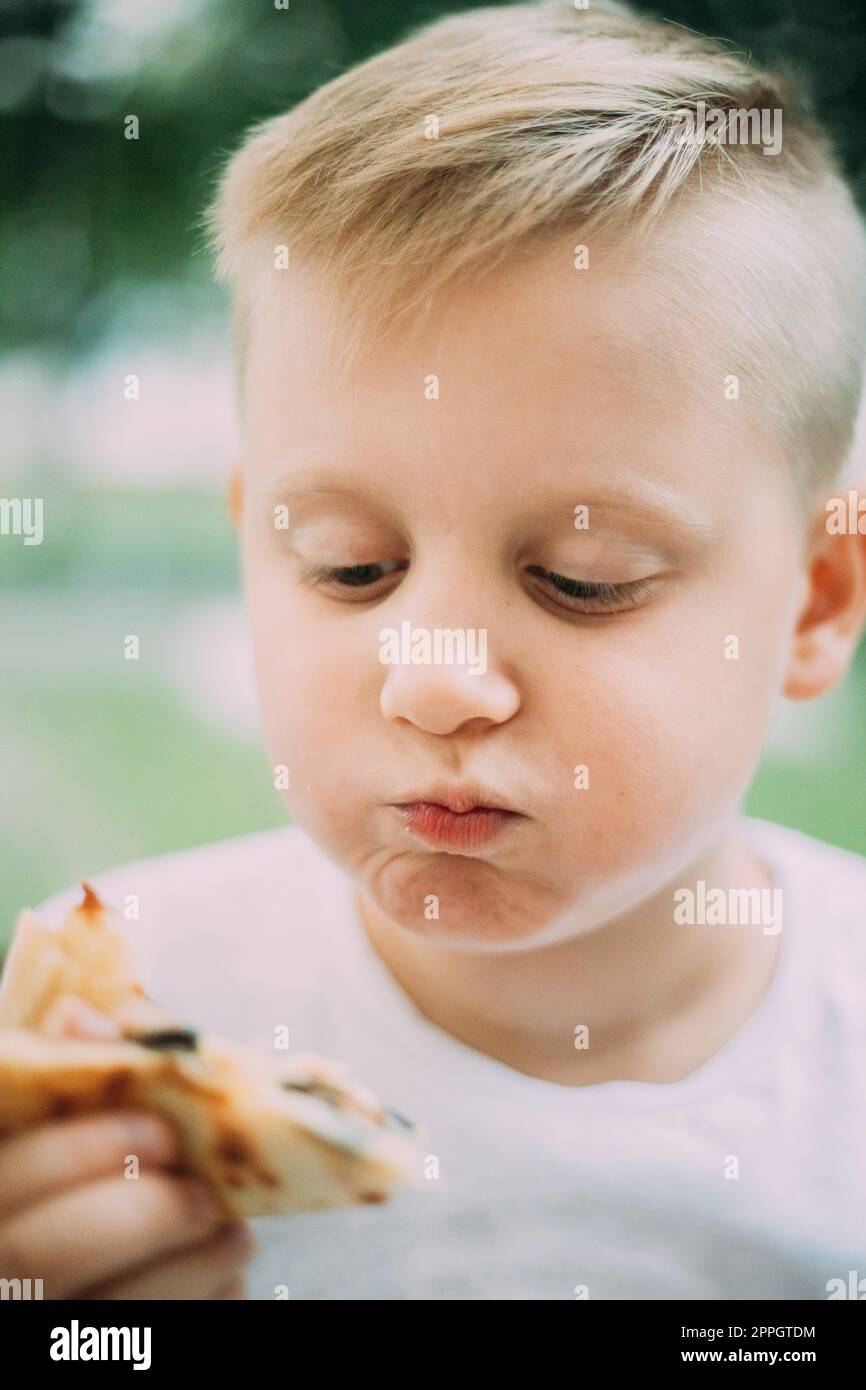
(656,998)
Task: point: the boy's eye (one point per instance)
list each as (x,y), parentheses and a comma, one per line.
(591,595)
(350,576)
(587,596)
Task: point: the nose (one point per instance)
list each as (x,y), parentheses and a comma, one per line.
(440,699)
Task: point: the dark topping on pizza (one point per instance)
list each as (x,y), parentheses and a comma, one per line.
(233,1148)
(396,1120)
(116,1086)
(320,1089)
(168,1040)
(344,1101)
(60,1107)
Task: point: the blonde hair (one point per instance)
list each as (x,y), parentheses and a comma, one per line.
(485,132)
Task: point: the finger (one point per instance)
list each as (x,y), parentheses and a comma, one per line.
(96,1233)
(40,1162)
(211,1270)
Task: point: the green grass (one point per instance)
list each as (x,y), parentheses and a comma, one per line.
(104,773)
(826,802)
(825,797)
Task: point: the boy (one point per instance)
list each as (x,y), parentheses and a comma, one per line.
(544,393)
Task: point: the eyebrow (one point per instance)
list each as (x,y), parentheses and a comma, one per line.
(317,485)
(634,502)
(641,500)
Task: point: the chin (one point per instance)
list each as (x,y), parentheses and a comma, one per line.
(456,899)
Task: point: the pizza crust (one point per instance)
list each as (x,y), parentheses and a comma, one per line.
(270,1134)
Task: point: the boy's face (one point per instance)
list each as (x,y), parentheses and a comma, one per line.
(459,507)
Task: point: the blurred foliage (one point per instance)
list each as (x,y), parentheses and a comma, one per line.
(114,770)
(84,211)
(822,795)
(169,540)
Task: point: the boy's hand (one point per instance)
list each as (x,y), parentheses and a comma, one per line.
(68,1215)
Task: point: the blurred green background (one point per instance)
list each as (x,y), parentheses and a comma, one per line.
(103,274)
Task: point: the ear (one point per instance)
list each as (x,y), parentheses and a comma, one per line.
(235,497)
(833,610)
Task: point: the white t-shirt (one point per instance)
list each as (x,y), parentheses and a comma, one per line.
(624,1190)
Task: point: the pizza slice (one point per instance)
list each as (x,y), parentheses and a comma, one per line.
(270,1134)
